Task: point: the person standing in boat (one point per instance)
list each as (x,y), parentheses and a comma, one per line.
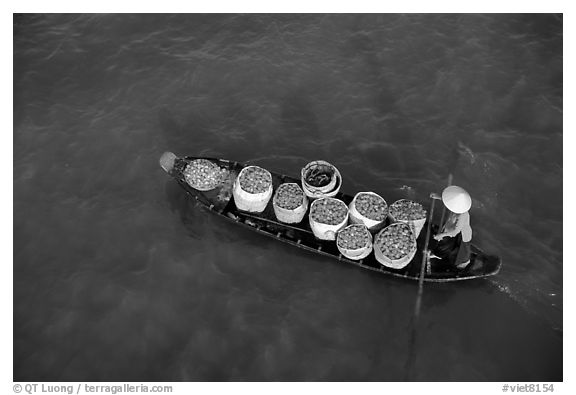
(456,233)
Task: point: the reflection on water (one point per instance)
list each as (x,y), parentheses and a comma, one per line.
(112,259)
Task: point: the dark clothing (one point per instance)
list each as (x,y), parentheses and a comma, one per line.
(453,249)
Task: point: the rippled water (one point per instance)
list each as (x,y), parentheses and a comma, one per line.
(117,276)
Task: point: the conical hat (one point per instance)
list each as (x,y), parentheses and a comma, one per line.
(456,199)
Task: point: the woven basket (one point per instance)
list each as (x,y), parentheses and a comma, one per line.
(359,253)
(251,202)
(357,218)
(326,231)
(219,172)
(416,225)
(393,263)
(329,190)
(288,216)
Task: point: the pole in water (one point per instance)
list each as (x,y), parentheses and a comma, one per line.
(416,316)
(441,224)
(418,304)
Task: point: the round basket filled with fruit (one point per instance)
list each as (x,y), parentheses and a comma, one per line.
(290,204)
(369,209)
(354,241)
(252,189)
(327,216)
(395,245)
(408,212)
(204,175)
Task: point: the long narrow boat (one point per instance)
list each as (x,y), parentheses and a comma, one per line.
(220,201)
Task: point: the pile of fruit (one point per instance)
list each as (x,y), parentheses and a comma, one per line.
(328,211)
(407,210)
(354,237)
(371,206)
(395,241)
(289,196)
(255,179)
(204,175)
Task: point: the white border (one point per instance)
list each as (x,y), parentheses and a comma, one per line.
(569,167)
(291,6)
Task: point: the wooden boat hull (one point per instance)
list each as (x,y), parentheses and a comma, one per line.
(221,202)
